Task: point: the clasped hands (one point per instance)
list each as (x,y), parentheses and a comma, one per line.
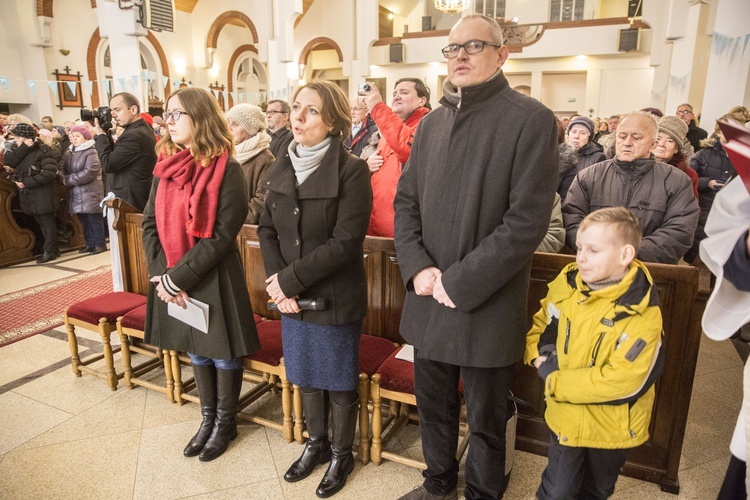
(180,299)
(428,281)
(285,305)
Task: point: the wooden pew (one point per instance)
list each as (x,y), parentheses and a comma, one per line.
(683,291)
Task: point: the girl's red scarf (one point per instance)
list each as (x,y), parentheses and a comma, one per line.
(186,201)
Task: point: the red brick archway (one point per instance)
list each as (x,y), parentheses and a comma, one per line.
(230,70)
(319,43)
(233,15)
(91,66)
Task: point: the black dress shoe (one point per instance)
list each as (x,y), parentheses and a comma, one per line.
(46,258)
(86,250)
(98,250)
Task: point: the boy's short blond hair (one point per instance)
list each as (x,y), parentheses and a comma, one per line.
(625,226)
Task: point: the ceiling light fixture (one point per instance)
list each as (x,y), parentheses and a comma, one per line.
(451,6)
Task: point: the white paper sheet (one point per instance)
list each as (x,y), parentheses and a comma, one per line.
(406,353)
(196,314)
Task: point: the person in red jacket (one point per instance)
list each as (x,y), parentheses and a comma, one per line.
(397,124)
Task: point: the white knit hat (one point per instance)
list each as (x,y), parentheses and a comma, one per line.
(250,117)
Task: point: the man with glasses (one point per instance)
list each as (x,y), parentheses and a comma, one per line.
(695,134)
(277,113)
(129,163)
(472,205)
(363,127)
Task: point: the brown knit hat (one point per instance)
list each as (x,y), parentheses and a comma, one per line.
(677,130)
(250,117)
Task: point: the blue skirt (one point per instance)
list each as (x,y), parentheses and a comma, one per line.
(321,356)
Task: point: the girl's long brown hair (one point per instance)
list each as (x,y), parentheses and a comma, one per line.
(211,135)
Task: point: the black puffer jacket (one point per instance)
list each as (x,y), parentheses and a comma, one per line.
(83,177)
(711,163)
(568,169)
(585,156)
(36,168)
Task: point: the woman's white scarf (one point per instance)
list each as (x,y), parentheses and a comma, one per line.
(307,160)
(251,147)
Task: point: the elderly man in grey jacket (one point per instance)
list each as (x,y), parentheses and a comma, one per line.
(472,205)
(659,195)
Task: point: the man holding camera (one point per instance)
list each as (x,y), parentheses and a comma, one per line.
(129,163)
(411,103)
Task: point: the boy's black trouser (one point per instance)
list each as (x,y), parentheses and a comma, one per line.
(585,473)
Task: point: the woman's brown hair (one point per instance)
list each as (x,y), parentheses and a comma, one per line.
(211,136)
(335,109)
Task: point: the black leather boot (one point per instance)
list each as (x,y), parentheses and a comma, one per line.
(318,448)
(205,381)
(228,386)
(343,423)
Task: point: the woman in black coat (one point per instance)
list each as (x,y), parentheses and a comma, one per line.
(35,166)
(190,224)
(714,169)
(311,235)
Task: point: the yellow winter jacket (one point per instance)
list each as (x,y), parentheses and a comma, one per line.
(609,348)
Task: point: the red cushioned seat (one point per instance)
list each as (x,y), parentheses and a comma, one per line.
(135,319)
(372,352)
(397,375)
(258,318)
(110,306)
(269,334)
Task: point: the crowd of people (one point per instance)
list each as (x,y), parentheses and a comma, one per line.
(467,205)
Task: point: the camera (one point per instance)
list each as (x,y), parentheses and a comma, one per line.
(103,114)
(364,87)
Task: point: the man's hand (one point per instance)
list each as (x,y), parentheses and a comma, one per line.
(374,162)
(20,185)
(439,293)
(96,128)
(424,280)
(372,97)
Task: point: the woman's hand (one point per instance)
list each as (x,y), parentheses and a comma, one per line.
(374,162)
(20,185)
(288,306)
(274,289)
(29,142)
(180,299)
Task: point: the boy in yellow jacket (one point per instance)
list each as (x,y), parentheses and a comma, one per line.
(597,344)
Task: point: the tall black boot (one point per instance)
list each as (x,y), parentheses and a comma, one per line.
(205,381)
(228,386)
(318,448)
(343,423)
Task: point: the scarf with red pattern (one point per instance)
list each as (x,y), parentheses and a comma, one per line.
(186,202)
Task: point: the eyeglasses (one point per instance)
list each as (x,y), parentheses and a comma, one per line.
(471,47)
(684,112)
(174,115)
(272,111)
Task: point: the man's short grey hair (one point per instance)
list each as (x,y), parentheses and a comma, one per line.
(685,104)
(285,108)
(651,120)
(497,31)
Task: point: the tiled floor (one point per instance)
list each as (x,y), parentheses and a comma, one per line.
(68,437)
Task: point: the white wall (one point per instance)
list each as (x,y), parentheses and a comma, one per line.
(559,88)
(527,11)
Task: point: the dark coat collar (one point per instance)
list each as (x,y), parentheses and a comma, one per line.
(323,183)
(479,94)
(638,167)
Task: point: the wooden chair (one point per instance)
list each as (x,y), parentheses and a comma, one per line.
(99,314)
(372,352)
(264,368)
(394,382)
(131,326)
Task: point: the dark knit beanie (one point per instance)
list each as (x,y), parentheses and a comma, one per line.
(23,130)
(584,121)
